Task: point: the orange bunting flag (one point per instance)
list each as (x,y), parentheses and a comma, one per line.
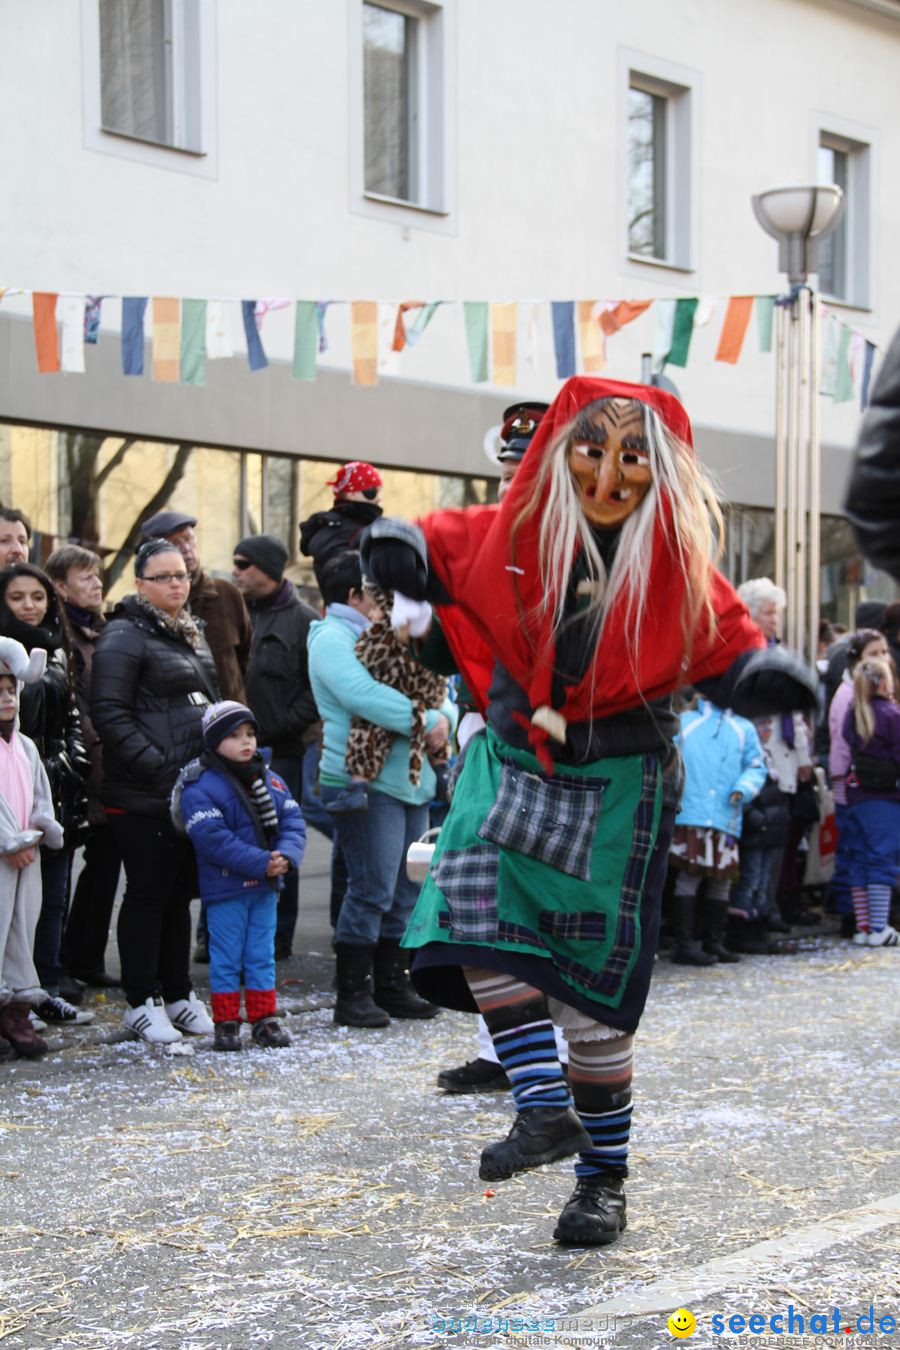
(611,320)
(503,343)
(593,347)
(364,341)
(734,328)
(166,338)
(400,327)
(46,337)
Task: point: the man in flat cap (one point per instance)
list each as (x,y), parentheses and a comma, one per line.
(213,599)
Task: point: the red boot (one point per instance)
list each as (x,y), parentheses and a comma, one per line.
(15,1026)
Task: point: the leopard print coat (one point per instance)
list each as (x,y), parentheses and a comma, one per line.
(390,662)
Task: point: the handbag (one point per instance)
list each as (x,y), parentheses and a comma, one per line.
(875,774)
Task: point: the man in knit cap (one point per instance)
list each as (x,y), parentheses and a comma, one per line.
(278,688)
(357,493)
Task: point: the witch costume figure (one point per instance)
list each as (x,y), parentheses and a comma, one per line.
(573,612)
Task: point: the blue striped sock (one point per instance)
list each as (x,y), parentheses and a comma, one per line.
(609,1132)
(528,1054)
(879,907)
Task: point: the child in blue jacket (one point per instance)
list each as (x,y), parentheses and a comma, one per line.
(247,833)
(724,770)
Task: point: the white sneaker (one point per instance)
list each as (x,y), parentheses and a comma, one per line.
(885,937)
(861,939)
(189,1015)
(148,1022)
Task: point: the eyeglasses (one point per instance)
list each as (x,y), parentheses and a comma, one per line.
(163,578)
(241,564)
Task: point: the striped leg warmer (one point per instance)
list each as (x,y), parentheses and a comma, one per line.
(600,1074)
(879,907)
(517,1018)
(861,908)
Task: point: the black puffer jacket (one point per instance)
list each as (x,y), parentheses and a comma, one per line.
(767,819)
(149,690)
(327,533)
(873,493)
(277,680)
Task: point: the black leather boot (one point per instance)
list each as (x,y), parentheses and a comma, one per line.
(594,1214)
(355,1006)
(715,915)
(540,1134)
(687,950)
(393,991)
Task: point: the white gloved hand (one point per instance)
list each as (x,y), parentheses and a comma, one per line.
(412,615)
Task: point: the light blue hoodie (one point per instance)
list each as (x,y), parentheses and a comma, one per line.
(343,688)
(722,754)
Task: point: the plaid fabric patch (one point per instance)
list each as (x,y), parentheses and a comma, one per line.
(587,926)
(608,980)
(467,878)
(553,820)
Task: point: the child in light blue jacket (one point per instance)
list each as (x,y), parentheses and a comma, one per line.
(724,770)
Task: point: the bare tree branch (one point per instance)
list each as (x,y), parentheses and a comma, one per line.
(113,462)
(158,500)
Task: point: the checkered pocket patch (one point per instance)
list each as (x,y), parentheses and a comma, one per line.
(467,878)
(552,820)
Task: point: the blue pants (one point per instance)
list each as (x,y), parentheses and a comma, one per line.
(872,830)
(242,938)
(750,892)
(379,897)
(840,882)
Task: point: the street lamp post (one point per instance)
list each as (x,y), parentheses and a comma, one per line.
(799,218)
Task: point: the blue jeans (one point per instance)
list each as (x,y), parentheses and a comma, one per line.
(56,867)
(314,812)
(379,897)
(840,881)
(751,890)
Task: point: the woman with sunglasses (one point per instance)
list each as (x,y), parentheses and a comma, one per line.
(153,678)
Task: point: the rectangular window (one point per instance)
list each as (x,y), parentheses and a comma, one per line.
(660,184)
(150,71)
(844,255)
(390,68)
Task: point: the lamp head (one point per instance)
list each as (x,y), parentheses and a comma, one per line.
(799,217)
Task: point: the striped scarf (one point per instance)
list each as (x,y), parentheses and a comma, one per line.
(252,778)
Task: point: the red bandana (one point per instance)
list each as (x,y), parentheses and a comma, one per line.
(496,595)
(354,477)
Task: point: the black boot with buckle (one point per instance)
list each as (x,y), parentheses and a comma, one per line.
(594,1214)
(393,991)
(540,1134)
(355,1006)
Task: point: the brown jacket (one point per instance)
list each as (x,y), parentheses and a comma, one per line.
(221,606)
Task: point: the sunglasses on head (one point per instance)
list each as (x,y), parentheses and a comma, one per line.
(242,564)
(370,493)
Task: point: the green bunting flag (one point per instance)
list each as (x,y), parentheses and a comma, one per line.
(765,312)
(843,378)
(193,342)
(476,317)
(682,331)
(306,340)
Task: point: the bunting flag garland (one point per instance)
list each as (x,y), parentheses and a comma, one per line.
(475,314)
(563,315)
(166,320)
(765,313)
(70,312)
(188,332)
(593,348)
(192,356)
(92,308)
(734,328)
(866,375)
(625,311)
(46,338)
(503,343)
(306,340)
(255,354)
(364,341)
(133,309)
(682,331)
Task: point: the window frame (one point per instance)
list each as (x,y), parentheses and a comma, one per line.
(856,142)
(681,89)
(191,24)
(433,118)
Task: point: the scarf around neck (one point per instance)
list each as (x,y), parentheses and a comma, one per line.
(252,778)
(183,625)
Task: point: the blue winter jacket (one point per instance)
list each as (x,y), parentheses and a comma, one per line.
(722,754)
(232,851)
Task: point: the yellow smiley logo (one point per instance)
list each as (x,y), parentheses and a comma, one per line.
(682,1323)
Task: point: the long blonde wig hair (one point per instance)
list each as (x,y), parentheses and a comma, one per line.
(565,531)
(873,678)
